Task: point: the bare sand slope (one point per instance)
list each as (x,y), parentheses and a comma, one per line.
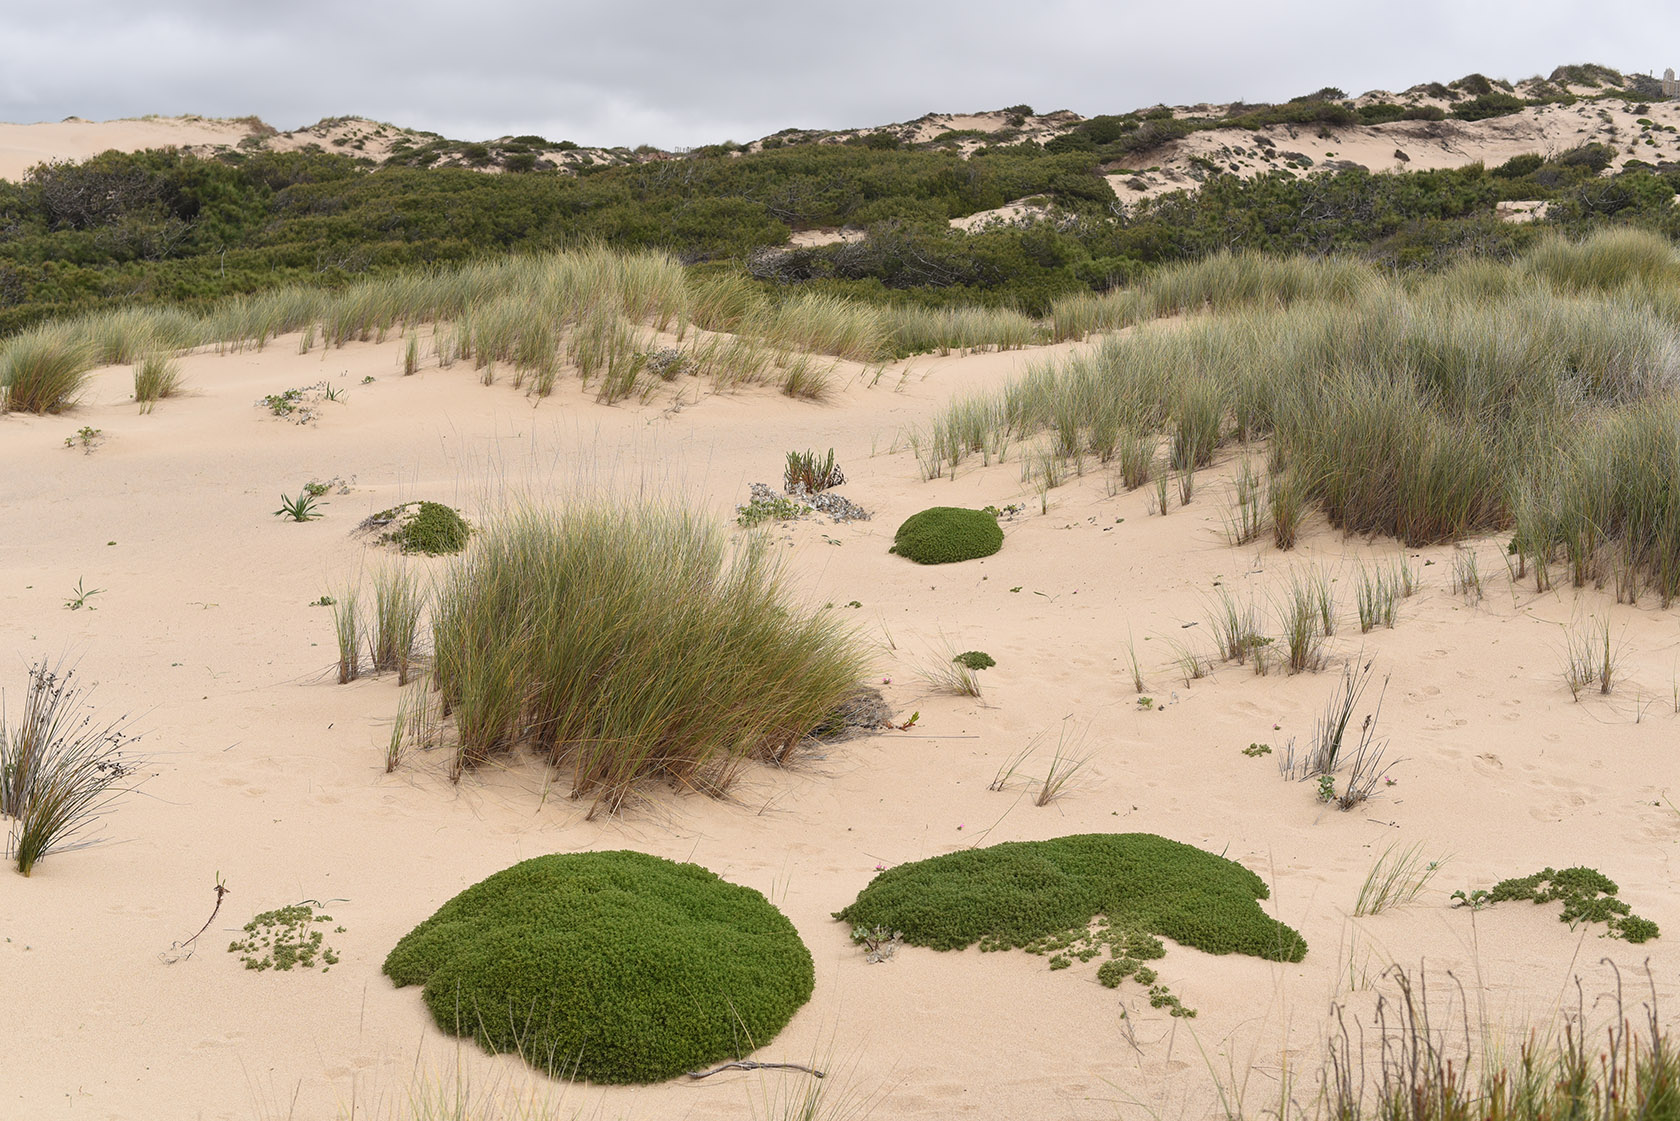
(22,146)
(269,776)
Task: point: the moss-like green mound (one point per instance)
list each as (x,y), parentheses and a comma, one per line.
(609,966)
(1021,893)
(423,527)
(947,534)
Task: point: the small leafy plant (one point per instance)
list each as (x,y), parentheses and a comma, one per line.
(878,942)
(88,437)
(762,508)
(975,659)
(287,938)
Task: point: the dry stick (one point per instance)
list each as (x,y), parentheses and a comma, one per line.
(221,890)
(748,1064)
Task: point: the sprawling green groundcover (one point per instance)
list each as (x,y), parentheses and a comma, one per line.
(609,966)
(1020,892)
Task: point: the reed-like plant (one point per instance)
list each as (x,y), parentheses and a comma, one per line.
(60,769)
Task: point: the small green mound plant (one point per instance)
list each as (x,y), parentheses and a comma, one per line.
(975,659)
(287,938)
(423,527)
(1071,897)
(1588,895)
(614,967)
(947,534)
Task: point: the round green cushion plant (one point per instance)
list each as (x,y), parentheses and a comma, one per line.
(1020,893)
(946,534)
(423,527)
(609,966)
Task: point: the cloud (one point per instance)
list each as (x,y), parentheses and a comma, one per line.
(688,74)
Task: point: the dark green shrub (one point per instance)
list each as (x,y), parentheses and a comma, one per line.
(946,534)
(609,966)
(424,527)
(1487,105)
(975,659)
(1593,157)
(1518,166)
(1020,893)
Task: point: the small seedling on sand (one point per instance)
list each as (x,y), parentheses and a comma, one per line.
(87,437)
(299,509)
(1255,750)
(79,598)
(286,938)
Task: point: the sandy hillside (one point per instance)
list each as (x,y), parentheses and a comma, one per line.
(268,777)
(22,146)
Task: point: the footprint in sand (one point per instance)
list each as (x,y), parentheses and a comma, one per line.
(1487,763)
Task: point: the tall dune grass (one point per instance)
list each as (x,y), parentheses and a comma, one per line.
(156,376)
(1540,394)
(630,644)
(42,370)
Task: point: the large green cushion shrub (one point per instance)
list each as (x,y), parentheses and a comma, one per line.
(609,966)
(946,534)
(1021,892)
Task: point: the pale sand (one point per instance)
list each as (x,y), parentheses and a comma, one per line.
(22,146)
(270,776)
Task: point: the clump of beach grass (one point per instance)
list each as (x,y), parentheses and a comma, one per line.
(347,630)
(1301,611)
(1592,655)
(156,376)
(397,603)
(625,644)
(42,370)
(1397,877)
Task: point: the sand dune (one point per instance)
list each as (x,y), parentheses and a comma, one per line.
(269,777)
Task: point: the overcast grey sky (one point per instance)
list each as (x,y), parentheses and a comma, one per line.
(684,74)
